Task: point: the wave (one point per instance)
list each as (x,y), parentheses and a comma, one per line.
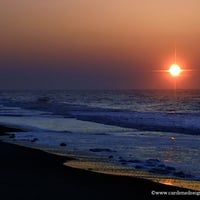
(186,123)
(173,121)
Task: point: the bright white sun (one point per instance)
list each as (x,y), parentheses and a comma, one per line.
(175,70)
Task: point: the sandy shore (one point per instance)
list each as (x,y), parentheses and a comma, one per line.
(33,174)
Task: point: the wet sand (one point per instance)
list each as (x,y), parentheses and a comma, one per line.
(27,173)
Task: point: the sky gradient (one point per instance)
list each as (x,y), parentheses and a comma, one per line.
(92,44)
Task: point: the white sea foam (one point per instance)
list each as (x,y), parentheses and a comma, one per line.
(157,152)
(173,122)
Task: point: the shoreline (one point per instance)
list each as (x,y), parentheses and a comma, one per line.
(34,174)
(104,165)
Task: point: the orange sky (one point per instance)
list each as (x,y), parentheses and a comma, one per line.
(109,38)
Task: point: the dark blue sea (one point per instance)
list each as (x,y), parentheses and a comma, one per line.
(155,131)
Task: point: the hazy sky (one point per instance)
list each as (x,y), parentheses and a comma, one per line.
(104,44)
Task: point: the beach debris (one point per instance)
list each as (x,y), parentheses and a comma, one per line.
(134,161)
(159,171)
(34,139)
(63,144)
(110,157)
(179,174)
(153,160)
(101,150)
(138,167)
(152,165)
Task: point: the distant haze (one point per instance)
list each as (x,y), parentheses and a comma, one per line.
(91,44)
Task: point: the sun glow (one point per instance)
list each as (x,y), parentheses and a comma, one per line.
(175,70)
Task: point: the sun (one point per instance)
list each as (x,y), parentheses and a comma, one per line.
(175,70)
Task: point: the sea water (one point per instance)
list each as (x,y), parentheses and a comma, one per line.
(151,130)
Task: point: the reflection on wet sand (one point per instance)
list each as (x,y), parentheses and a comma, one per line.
(108,168)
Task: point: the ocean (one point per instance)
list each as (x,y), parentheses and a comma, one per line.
(153,131)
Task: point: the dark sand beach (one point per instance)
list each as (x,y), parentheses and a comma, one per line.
(33,174)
